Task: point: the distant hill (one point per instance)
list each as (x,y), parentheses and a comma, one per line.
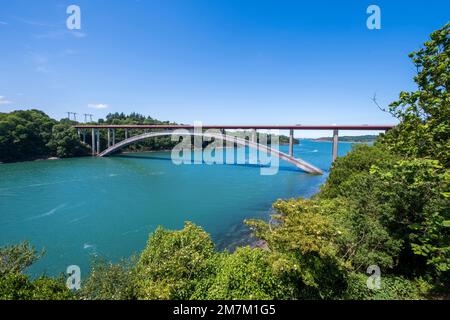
(365,138)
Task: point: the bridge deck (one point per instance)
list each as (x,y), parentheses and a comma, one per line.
(237,127)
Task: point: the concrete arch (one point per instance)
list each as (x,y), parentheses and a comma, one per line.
(299,163)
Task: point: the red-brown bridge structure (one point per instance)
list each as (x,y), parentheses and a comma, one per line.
(152,131)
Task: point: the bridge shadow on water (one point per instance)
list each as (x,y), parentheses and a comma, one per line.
(247,165)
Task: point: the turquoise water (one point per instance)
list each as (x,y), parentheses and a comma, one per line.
(78,208)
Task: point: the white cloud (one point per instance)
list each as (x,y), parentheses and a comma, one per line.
(98,106)
(3,23)
(3,100)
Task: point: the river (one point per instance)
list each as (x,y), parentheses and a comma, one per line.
(79,208)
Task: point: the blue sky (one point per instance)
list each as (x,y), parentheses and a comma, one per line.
(219,62)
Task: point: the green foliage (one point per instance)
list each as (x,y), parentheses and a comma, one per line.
(424,130)
(109,281)
(158,143)
(304,248)
(355,165)
(16,258)
(66,143)
(46,288)
(392,288)
(174,262)
(24,135)
(247,274)
(413,193)
(14,285)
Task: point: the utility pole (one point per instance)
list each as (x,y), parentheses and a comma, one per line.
(87,115)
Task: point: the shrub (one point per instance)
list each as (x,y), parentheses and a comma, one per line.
(108,281)
(174,263)
(247,274)
(392,288)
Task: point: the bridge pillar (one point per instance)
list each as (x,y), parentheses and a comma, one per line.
(109,137)
(335,144)
(254,136)
(98,141)
(84,135)
(93,142)
(114,137)
(126,134)
(291,143)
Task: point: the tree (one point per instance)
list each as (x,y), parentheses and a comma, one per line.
(65,142)
(109,281)
(174,263)
(15,285)
(424,130)
(24,135)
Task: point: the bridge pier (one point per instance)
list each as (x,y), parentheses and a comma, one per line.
(291,143)
(114,137)
(109,137)
(93,142)
(126,134)
(335,144)
(98,141)
(84,135)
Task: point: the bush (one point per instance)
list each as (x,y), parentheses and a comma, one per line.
(392,288)
(174,263)
(24,135)
(65,142)
(247,274)
(108,281)
(14,285)
(16,258)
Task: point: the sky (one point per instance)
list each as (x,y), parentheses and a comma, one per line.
(218,62)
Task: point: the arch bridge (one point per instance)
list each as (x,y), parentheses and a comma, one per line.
(168,130)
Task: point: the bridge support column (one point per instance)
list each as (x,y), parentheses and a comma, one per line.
(109,137)
(93,142)
(335,144)
(114,137)
(291,143)
(84,135)
(126,134)
(254,136)
(98,141)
